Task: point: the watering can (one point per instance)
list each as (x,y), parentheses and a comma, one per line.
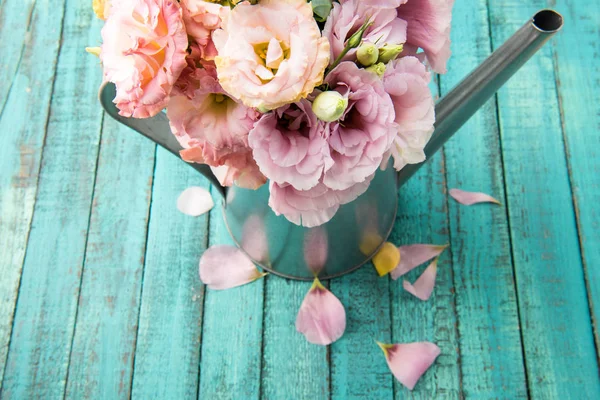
(360,228)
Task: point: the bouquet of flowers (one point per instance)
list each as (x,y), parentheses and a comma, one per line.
(313,97)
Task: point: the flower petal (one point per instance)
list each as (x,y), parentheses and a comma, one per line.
(409,361)
(423,287)
(322,318)
(226,267)
(386,259)
(470,198)
(316,249)
(414,255)
(195,201)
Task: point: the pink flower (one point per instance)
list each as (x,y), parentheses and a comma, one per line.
(213,128)
(429,24)
(359,140)
(143,54)
(201,19)
(290,146)
(407,82)
(349,15)
(409,361)
(271,54)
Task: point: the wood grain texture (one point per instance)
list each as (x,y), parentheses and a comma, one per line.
(559,348)
(307,376)
(30,37)
(103,348)
(422,218)
(232,332)
(358,366)
(490,339)
(577,64)
(44,321)
(168,345)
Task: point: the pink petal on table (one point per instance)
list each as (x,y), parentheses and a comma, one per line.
(195,201)
(413,255)
(316,249)
(225,267)
(423,287)
(322,318)
(409,361)
(470,198)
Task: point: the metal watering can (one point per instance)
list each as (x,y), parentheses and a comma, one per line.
(360,228)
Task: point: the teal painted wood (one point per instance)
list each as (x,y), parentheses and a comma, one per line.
(30,44)
(358,367)
(577,65)
(491,354)
(422,218)
(44,321)
(559,348)
(103,348)
(168,345)
(307,376)
(232,332)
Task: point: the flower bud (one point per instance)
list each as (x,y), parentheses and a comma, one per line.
(329,106)
(378,68)
(356,39)
(390,52)
(367,54)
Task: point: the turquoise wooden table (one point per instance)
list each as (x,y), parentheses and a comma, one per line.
(99,291)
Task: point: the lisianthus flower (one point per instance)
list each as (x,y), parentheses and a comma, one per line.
(349,15)
(201,19)
(213,128)
(429,24)
(143,54)
(360,139)
(271,54)
(290,146)
(407,82)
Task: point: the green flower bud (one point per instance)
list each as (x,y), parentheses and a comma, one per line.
(356,39)
(329,106)
(390,52)
(367,54)
(378,68)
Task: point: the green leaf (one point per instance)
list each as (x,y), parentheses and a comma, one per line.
(321,8)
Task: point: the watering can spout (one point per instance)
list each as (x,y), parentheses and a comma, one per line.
(454,109)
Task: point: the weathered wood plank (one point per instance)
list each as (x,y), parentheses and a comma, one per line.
(168,345)
(101,359)
(307,377)
(358,367)
(491,350)
(422,218)
(44,320)
(577,63)
(559,347)
(232,332)
(30,45)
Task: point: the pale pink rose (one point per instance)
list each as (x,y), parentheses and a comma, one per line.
(290,146)
(201,19)
(407,82)
(213,128)
(271,54)
(143,54)
(312,207)
(349,15)
(361,138)
(429,23)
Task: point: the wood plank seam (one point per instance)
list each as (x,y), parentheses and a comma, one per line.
(41,163)
(262,344)
(204,291)
(593,317)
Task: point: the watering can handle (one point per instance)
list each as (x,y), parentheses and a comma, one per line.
(156,129)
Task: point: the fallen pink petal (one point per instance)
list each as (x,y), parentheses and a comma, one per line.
(409,361)
(316,249)
(226,267)
(322,318)
(423,287)
(470,198)
(413,255)
(195,201)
